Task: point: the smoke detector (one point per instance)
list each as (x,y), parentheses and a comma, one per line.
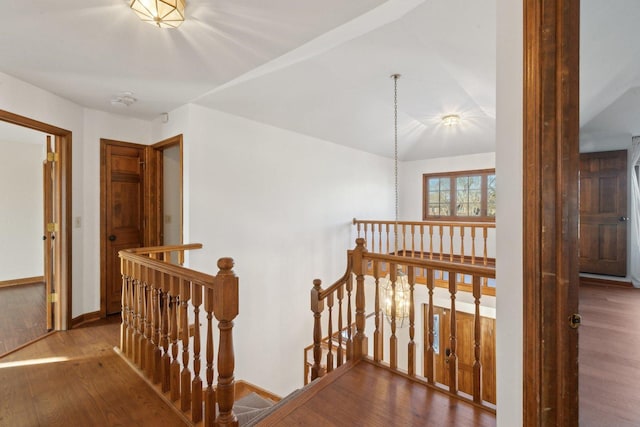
(123,98)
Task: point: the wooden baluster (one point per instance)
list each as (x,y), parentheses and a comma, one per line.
(413,240)
(453,339)
(317,306)
(164,336)
(451,233)
(360,342)
(181,257)
(429,360)
(366,232)
(380,238)
(139,318)
(340,325)
(393,340)
(144,322)
(174,381)
(196,384)
(226,310)
(430,241)
(349,342)
(377,341)
(125,307)
(373,237)
(131,330)
(185,376)
(404,240)
(421,241)
(155,328)
(441,242)
(477,334)
(387,229)
(411,348)
(473,244)
(330,330)
(150,309)
(210,394)
(462,244)
(484,237)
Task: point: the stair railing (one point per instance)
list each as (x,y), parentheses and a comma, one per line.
(454,241)
(161,330)
(388,268)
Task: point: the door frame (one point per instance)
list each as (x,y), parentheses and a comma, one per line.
(550,211)
(103,211)
(63,141)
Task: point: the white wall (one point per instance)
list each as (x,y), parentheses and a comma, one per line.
(509,168)
(21,215)
(97,124)
(281,205)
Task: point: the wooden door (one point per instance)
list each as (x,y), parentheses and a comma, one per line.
(603,213)
(464,351)
(122,213)
(48,236)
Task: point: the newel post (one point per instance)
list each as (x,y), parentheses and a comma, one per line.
(317,306)
(225,308)
(360,340)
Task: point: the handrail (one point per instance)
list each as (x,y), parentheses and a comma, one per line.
(158,301)
(487,224)
(368,266)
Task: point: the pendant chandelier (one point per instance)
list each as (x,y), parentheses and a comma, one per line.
(161,13)
(396,293)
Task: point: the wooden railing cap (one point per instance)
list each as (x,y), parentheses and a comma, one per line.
(226,264)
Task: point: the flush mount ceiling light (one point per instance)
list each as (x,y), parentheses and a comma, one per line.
(125,98)
(161,13)
(451,120)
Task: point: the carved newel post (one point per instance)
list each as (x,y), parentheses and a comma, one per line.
(360,340)
(225,310)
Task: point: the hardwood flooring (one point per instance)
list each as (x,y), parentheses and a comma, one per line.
(22,315)
(75,378)
(609,356)
(366,395)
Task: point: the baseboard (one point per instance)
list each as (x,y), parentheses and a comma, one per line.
(85,318)
(25,281)
(244,388)
(604,282)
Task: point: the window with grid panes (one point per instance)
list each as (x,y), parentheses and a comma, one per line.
(460,196)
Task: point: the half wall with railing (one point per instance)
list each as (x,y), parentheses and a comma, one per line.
(379,310)
(161,331)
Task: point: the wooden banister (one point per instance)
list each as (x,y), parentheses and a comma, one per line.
(370,271)
(158,299)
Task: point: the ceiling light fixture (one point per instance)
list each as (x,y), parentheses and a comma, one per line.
(451,120)
(125,98)
(161,13)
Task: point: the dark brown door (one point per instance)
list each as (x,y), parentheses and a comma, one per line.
(122,182)
(603,213)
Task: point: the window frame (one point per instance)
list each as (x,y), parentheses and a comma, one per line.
(453,175)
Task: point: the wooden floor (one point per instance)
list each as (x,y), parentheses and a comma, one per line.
(609,356)
(365,395)
(22,315)
(75,378)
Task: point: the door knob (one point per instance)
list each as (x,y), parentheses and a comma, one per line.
(112,237)
(623,219)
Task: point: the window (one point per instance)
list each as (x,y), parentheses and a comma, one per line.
(460,196)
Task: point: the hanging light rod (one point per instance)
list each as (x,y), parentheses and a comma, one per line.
(160,13)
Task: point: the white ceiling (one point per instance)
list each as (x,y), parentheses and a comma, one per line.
(318,68)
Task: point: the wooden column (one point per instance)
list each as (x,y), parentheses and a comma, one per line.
(360,339)
(317,306)
(225,305)
(550,253)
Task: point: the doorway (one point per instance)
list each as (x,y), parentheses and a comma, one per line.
(55,181)
(140,205)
